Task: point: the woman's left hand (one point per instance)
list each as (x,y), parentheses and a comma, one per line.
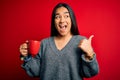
(86,46)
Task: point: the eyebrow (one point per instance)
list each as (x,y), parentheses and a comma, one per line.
(64,13)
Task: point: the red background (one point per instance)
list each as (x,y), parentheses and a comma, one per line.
(30,19)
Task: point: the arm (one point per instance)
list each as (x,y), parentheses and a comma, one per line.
(32,65)
(89,67)
(89,62)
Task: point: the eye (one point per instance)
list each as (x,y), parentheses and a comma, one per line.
(66,16)
(57,16)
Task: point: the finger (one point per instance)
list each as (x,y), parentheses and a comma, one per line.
(23,46)
(81,41)
(90,38)
(27,41)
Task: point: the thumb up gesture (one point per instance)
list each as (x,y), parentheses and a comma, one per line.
(86,46)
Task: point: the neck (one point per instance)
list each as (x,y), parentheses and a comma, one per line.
(64,37)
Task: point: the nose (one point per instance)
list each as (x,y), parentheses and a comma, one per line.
(62,19)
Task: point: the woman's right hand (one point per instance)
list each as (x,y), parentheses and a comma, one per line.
(24,49)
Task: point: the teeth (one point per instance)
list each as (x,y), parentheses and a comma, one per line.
(63,26)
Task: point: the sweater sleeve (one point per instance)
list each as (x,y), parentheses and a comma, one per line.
(32,67)
(89,68)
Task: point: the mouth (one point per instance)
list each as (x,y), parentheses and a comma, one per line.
(62,27)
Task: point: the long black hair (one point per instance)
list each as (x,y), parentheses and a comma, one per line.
(74,27)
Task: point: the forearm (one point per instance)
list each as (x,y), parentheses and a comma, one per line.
(90,67)
(90,55)
(32,67)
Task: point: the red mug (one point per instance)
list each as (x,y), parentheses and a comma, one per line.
(34,47)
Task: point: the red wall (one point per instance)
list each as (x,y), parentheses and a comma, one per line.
(30,19)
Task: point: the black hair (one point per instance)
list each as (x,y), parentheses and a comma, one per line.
(74,27)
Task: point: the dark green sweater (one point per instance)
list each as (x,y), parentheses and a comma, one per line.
(66,64)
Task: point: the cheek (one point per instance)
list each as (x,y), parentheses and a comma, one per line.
(56,22)
(56,25)
(70,24)
(69,21)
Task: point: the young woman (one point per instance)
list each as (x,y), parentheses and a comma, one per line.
(65,55)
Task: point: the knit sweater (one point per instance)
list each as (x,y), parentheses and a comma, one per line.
(66,64)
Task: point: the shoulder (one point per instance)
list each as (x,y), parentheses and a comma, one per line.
(46,40)
(79,37)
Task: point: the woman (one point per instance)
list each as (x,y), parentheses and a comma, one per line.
(65,55)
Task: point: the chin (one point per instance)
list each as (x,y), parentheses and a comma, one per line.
(63,34)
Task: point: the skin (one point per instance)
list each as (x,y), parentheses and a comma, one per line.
(86,46)
(24,49)
(63,22)
(63,26)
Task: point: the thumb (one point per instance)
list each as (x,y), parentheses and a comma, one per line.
(90,38)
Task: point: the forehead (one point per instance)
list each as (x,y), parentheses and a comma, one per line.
(61,10)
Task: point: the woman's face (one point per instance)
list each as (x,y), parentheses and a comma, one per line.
(63,21)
